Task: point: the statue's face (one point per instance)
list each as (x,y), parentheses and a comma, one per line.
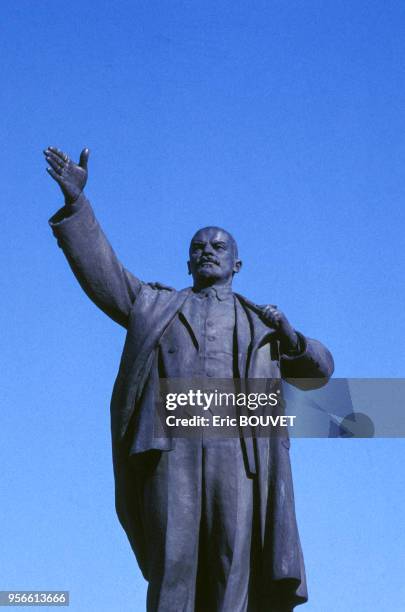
(213,257)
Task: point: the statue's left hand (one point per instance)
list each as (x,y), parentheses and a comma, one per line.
(277,319)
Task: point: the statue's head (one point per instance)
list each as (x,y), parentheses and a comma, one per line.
(213,257)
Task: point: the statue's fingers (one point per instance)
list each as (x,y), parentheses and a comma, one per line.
(268,311)
(271,315)
(274,314)
(55,165)
(58,152)
(55,158)
(54,174)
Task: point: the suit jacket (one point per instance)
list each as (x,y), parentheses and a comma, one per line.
(146,313)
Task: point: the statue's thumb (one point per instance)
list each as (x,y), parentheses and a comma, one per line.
(84,158)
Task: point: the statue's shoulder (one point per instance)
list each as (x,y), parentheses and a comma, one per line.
(158,294)
(153,306)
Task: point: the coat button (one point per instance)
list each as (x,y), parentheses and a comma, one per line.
(211,338)
(172,349)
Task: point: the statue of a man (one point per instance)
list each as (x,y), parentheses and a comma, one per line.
(211,521)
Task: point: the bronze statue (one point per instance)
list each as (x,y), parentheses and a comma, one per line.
(211,521)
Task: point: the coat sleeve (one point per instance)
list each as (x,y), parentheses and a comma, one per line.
(313,365)
(94,263)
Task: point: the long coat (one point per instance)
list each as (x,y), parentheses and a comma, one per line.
(146,312)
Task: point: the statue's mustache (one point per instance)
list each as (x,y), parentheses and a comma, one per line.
(212,260)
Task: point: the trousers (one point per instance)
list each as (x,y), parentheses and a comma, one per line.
(199,518)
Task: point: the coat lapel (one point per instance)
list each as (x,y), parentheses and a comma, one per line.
(243,336)
(188,315)
(252,333)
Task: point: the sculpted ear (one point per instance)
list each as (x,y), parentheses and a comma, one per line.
(188,267)
(237,266)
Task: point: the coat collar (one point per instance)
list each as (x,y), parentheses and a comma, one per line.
(221,292)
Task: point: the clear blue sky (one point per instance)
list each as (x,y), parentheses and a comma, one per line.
(281,121)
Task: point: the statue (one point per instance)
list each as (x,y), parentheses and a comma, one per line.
(211,521)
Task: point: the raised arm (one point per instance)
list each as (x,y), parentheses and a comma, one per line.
(94,263)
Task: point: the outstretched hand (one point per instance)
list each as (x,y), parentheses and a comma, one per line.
(70,177)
